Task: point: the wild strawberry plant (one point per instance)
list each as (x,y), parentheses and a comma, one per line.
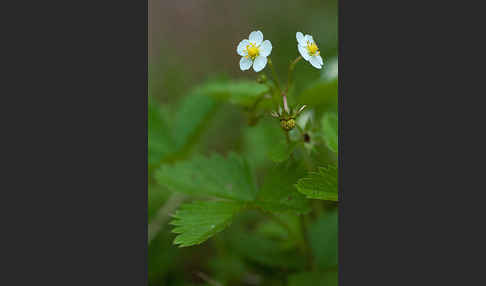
(270,195)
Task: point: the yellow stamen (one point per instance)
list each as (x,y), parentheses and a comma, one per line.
(312,48)
(252,51)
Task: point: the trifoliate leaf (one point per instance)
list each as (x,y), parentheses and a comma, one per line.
(228,178)
(244,93)
(323,238)
(321,185)
(198,221)
(278,193)
(330,130)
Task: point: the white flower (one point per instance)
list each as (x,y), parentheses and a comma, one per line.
(309,50)
(254,51)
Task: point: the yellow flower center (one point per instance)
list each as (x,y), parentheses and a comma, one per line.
(312,48)
(252,51)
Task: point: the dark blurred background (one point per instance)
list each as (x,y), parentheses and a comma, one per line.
(191,41)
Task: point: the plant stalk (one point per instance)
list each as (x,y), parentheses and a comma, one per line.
(274,75)
(291,73)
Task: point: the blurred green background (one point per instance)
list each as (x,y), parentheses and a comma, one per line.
(191,42)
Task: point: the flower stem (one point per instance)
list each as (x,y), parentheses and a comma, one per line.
(286,106)
(274,74)
(291,72)
(162,216)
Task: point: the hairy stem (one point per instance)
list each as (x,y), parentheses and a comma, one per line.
(286,106)
(208,279)
(162,216)
(274,75)
(291,73)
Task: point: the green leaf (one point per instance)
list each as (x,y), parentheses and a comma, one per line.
(228,178)
(321,185)
(313,279)
(281,151)
(198,221)
(278,193)
(323,238)
(330,129)
(244,93)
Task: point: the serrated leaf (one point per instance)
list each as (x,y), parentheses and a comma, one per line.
(229,178)
(281,151)
(244,93)
(330,130)
(278,193)
(198,221)
(321,185)
(323,238)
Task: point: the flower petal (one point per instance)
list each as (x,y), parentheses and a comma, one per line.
(266,48)
(316,61)
(300,39)
(241,49)
(303,52)
(260,63)
(245,63)
(308,38)
(256,37)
